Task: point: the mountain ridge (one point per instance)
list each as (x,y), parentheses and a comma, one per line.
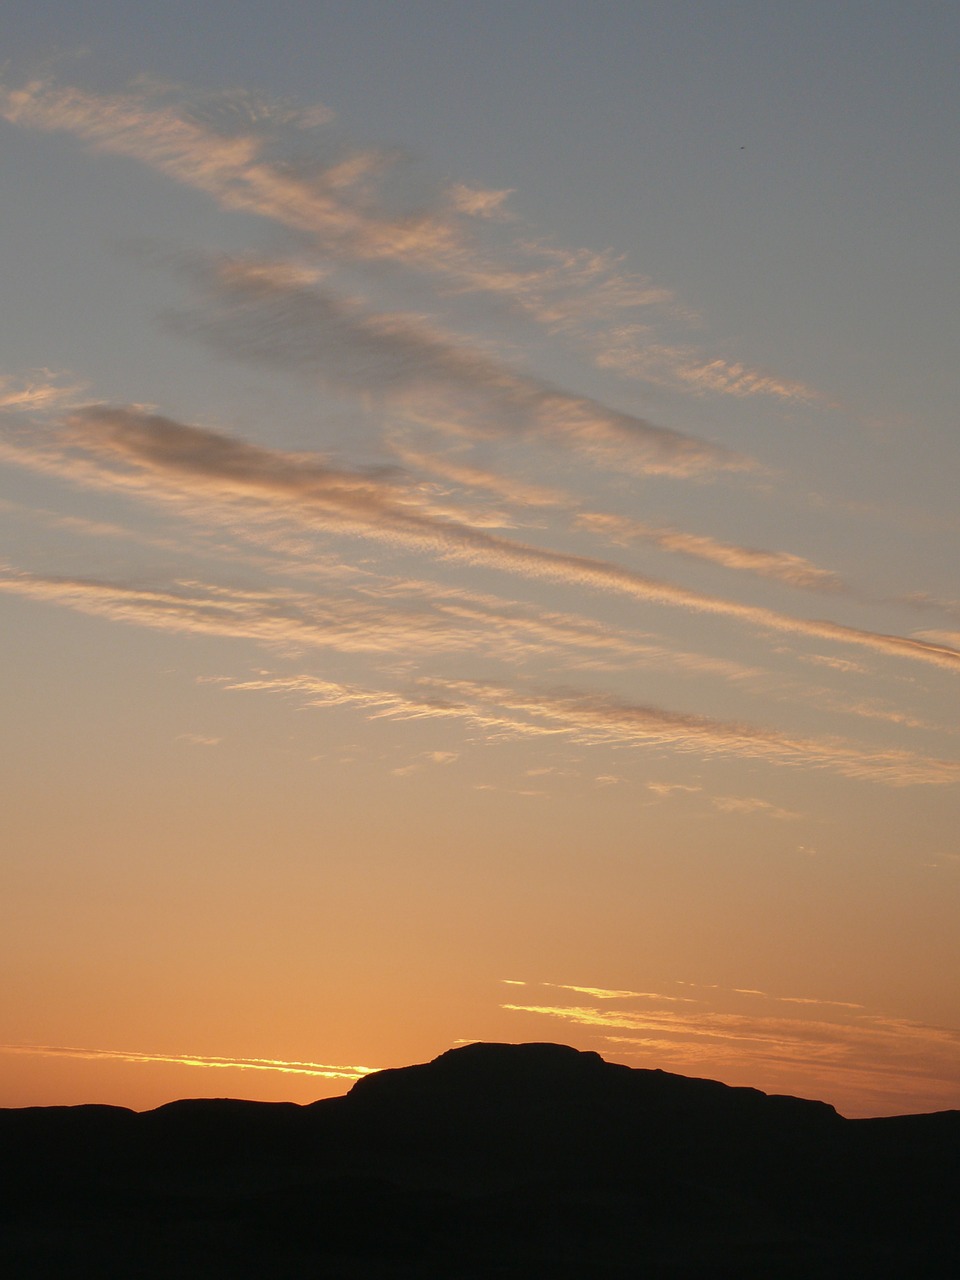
(545,1159)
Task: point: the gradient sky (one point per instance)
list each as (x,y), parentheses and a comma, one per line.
(478,500)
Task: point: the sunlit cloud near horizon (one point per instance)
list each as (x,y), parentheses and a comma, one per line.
(319,1069)
(406,583)
(856,1055)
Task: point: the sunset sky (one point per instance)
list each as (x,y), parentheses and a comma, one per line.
(478,498)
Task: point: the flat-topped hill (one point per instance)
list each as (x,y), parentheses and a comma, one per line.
(491,1160)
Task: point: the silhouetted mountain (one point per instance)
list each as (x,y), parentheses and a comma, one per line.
(491,1161)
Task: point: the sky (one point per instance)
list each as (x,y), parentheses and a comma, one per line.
(478,538)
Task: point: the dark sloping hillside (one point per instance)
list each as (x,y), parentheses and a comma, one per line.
(492,1160)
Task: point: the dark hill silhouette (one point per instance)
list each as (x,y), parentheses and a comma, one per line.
(491,1161)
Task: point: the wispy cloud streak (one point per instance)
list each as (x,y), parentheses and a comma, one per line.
(751,805)
(602,993)
(781,565)
(41,389)
(129,449)
(629,351)
(265,312)
(321,1069)
(236,149)
(460,473)
(839,1044)
(591,719)
(394,618)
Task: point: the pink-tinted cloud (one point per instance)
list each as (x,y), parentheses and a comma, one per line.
(781,565)
(267,313)
(629,350)
(590,719)
(227,147)
(129,449)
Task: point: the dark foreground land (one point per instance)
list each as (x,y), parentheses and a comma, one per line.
(492,1161)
